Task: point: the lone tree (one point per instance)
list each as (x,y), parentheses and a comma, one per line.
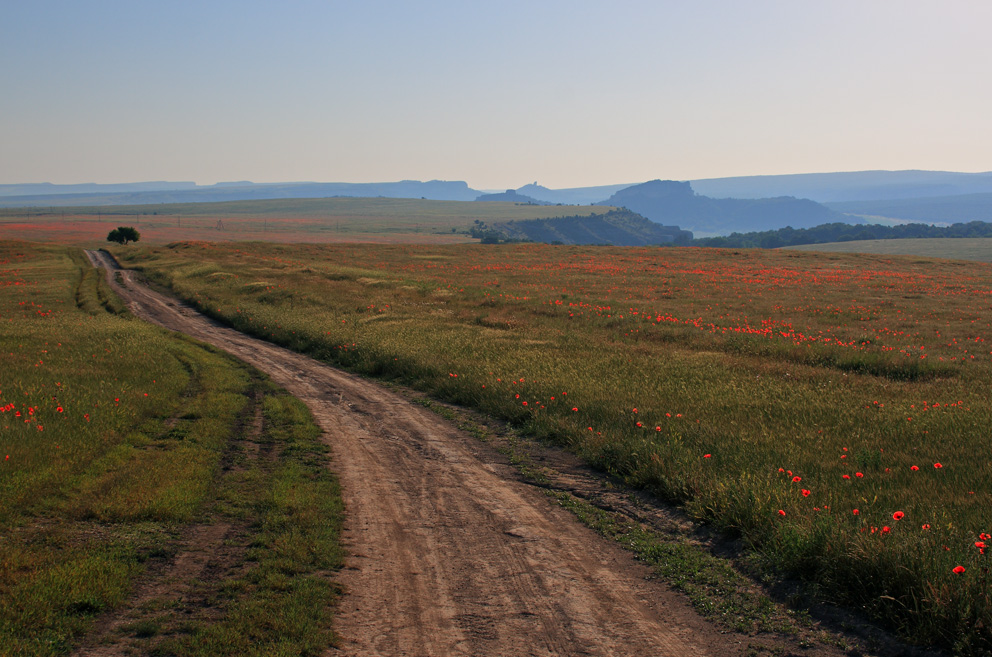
(123,235)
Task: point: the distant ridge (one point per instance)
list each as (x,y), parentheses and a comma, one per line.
(437,190)
(570,196)
(51,189)
(671,202)
(848,185)
(931,209)
(512,196)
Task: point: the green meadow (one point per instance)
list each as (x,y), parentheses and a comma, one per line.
(974,248)
(119,441)
(830,410)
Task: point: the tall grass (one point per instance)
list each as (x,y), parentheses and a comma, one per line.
(730,382)
(111,437)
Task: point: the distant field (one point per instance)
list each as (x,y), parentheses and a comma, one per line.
(831,409)
(979,248)
(380,220)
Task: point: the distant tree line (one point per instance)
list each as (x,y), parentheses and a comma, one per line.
(841,232)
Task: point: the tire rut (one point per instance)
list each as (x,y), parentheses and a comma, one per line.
(180,589)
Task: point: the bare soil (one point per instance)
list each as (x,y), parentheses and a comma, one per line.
(450,552)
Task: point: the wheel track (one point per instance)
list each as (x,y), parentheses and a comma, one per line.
(447,556)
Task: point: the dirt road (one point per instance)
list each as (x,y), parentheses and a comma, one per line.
(450,555)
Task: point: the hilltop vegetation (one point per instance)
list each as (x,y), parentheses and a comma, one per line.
(829,410)
(616,227)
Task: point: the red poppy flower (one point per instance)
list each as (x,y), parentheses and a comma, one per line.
(937,465)
(796,479)
(980,544)
(886,529)
(859,475)
(805,493)
(958,570)
(898,515)
(846,476)
(781,512)
(914,468)
(706,456)
(855,512)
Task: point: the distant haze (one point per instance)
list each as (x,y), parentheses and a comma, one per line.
(565,93)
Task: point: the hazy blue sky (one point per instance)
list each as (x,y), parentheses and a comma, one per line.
(498,94)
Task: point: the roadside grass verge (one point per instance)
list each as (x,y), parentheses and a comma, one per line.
(93,294)
(769,394)
(710,583)
(112,437)
(279,600)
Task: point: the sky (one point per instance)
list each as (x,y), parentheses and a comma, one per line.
(498,94)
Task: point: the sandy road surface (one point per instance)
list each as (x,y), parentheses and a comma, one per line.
(450,555)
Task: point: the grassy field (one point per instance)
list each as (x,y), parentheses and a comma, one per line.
(118,441)
(832,410)
(979,248)
(381,220)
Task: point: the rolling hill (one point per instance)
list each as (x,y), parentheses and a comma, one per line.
(934,209)
(671,202)
(616,227)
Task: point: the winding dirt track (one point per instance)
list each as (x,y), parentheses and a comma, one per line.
(450,555)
